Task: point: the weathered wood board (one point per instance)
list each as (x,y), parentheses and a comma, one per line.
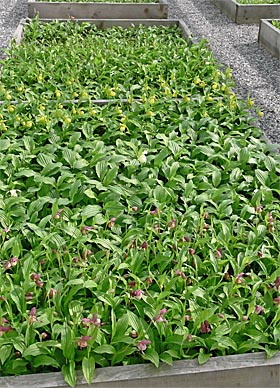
(269,37)
(243,371)
(248,13)
(65,10)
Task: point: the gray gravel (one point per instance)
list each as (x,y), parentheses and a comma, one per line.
(255,71)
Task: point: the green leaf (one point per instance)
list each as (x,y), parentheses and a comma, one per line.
(166,357)
(261,176)
(91,211)
(32,350)
(152,356)
(88,367)
(203,357)
(5,353)
(216,178)
(4,144)
(44,360)
(67,345)
(108,349)
(69,373)
(110,176)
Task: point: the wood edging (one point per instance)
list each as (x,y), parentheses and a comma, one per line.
(107,23)
(95,10)
(227,371)
(269,37)
(247,13)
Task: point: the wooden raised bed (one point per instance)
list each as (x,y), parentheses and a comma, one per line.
(248,13)
(107,23)
(64,10)
(269,37)
(246,370)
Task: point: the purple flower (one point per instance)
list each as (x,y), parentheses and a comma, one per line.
(14,261)
(189,338)
(180,273)
(86,229)
(35,276)
(154,212)
(111,223)
(160,316)
(156,227)
(137,294)
(142,345)
(219,253)
(29,295)
(144,245)
(205,328)
(33,315)
(259,309)
(259,209)
(172,224)
(86,322)
(277,283)
(5,329)
(83,341)
(187,239)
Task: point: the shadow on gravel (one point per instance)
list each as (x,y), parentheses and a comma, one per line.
(17,12)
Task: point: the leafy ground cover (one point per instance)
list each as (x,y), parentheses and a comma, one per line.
(276,23)
(147,231)
(258,1)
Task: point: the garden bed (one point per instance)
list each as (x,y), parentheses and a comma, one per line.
(248,13)
(269,37)
(243,371)
(144,232)
(95,10)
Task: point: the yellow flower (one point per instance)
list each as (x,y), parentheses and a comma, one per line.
(112,93)
(215,85)
(196,80)
(80,112)
(93,112)
(8,96)
(260,113)
(250,102)
(122,128)
(187,99)
(149,113)
(40,77)
(202,84)
(67,120)
(123,118)
(209,98)
(28,124)
(152,99)
(20,89)
(84,93)
(11,109)
(75,94)
(3,127)
(58,93)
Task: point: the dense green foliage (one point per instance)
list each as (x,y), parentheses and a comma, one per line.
(146,231)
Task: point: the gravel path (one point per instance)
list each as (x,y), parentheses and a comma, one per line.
(255,71)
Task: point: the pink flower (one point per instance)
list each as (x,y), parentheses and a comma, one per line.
(134,208)
(83,341)
(180,273)
(14,261)
(191,251)
(160,316)
(137,294)
(111,223)
(33,315)
(205,328)
(277,283)
(7,265)
(86,229)
(239,278)
(39,283)
(35,276)
(172,224)
(187,318)
(57,215)
(29,295)
(86,322)
(219,253)
(144,245)
(259,309)
(142,345)
(187,239)
(154,212)
(52,292)
(5,329)
(189,338)
(277,300)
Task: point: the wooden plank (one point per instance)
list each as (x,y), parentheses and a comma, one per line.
(247,13)
(65,10)
(246,370)
(269,37)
